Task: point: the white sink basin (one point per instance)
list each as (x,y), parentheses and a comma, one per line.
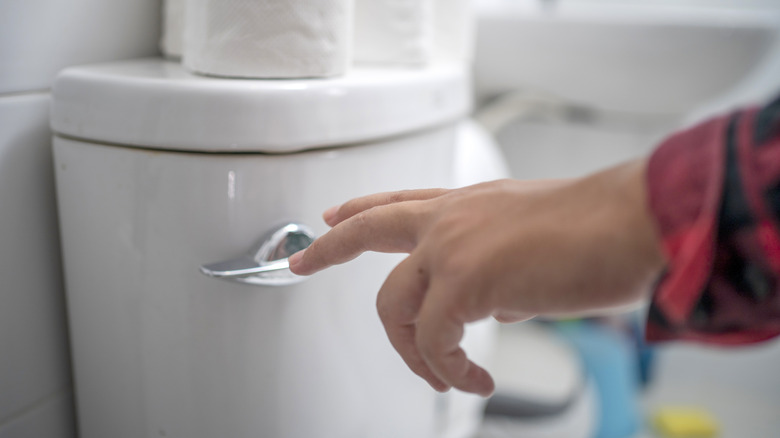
(640,57)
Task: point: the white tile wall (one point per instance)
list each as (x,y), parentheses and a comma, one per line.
(33,337)
(37,39)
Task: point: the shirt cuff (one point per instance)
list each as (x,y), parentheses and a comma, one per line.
(703,194)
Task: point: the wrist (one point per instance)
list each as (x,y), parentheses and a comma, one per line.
(640,220)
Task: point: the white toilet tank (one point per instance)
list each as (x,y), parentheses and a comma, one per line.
(160,172)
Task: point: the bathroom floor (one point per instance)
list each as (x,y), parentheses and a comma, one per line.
(739,387)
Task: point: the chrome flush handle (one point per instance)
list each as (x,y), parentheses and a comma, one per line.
(267,265)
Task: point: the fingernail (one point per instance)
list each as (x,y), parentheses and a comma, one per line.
(440,387)
(296,258)
(487,391)
(330,213)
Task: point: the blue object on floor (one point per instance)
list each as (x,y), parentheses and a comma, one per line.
(645,353)
(611,361)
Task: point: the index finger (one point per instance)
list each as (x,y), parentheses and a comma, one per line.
(386,228)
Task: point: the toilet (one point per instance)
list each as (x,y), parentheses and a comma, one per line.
(179,199)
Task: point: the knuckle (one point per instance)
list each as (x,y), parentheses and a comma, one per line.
(362,219)
(360,225)
(396,197)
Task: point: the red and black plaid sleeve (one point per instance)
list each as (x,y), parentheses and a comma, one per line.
(714,190)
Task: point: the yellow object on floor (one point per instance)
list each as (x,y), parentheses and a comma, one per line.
(685,422)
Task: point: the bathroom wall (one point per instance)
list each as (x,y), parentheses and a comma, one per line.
(761,84)
(573,146)
(674,3)
(685,3)
(581,86)
(37,39)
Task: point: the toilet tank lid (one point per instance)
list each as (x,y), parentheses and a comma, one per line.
(156,103)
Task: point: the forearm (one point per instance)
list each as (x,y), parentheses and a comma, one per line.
(609,250)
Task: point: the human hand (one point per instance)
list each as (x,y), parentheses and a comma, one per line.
(508,249)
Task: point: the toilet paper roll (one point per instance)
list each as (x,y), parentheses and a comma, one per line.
(268,38)
(454,25)
(393,32)
(171,42)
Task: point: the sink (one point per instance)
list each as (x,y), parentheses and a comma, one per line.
(645,56)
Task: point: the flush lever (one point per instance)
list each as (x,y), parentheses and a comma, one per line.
(267,265)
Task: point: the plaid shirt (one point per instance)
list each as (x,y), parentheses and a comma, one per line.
(714,190)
